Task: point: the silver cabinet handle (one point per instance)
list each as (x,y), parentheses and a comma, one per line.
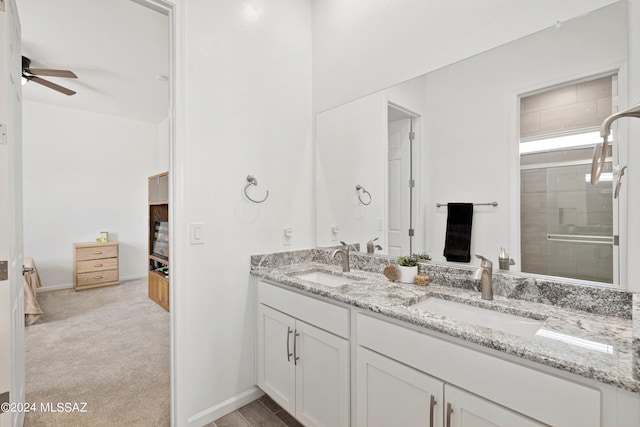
(432,405)
(289,354)
(449,412)
(295,352)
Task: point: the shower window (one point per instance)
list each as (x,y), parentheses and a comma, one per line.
(567,226)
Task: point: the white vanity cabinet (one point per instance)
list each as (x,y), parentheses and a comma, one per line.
(476,389)
(391,393)
(303,355)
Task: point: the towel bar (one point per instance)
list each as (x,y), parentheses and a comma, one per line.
(475,204)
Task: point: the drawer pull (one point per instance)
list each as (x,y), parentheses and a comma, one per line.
(98,277)
(289,332)
(97,265)
(97,252)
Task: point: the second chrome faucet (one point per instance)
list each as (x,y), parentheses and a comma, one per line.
(344,253)
(484,274)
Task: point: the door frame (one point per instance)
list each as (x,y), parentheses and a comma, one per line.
(174,10)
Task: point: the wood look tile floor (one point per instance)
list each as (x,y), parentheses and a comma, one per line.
(263,412)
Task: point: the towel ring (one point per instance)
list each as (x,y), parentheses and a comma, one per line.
(360,187)
(252,181)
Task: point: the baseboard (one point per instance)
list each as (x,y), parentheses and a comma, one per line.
(70,285)
(223,408)
(139,276)
(54,288)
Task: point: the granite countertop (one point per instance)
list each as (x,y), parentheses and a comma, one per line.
(592,345)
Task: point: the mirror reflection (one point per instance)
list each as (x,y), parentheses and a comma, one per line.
(466,123)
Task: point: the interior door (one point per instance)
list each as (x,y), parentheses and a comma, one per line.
(11,288)
(398,202)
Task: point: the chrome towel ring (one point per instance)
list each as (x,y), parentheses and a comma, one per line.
(360,187)
(252,181)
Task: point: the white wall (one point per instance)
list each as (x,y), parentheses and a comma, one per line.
(84,173)
(247,94)
(472,118)
(163,145)
(361,47)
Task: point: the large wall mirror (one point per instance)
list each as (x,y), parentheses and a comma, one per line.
(465,121)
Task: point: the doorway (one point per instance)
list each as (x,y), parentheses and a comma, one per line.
(167,9)
(401,126)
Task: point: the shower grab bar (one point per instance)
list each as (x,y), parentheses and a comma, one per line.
(438,205)
(581,238)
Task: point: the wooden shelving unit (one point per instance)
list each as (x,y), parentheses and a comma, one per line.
(159,239)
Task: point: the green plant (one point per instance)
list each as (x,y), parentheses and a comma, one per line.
(413,259)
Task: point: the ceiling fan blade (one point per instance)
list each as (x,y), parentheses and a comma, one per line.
(50,72)
(51,85)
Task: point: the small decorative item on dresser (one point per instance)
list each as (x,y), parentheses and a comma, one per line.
(104,236)
(392,273)
(422,280)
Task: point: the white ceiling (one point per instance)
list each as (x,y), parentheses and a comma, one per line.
(117,48)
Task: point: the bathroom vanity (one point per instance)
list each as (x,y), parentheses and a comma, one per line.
(353,348)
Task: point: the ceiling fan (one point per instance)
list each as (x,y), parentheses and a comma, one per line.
(31,75)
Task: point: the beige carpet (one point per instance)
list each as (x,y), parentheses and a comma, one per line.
(106,347)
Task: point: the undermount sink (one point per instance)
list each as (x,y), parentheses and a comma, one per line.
(509,323)
(326,279)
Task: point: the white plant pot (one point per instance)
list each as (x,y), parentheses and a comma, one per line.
(408,274)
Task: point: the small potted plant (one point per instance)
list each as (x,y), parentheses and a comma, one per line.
(408,266)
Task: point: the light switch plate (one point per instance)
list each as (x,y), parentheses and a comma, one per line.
(196,233)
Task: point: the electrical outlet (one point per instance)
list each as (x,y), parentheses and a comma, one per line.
(287,236)
(335,230)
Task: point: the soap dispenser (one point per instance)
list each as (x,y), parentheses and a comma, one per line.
(504,261)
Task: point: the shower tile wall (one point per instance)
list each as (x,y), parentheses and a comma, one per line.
(559,201)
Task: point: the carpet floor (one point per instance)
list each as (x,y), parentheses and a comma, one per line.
(107,348)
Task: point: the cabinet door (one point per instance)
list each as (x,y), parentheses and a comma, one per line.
(392,394)
(464,409)
(275,368)
(322,377)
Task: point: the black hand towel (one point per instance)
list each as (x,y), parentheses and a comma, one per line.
(457,242)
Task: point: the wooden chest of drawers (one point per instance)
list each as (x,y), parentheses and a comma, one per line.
(95,265)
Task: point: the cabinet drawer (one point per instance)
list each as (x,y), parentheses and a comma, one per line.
(97,265)
(325,315)
(97,252)
(86,279)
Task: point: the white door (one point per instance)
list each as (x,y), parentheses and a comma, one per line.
(398,182)
(464,409)
(392,394)
(276,370)
(11,289)
(322,377)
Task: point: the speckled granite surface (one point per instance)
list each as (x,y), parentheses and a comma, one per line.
(584,340)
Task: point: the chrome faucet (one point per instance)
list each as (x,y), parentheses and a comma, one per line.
(484,273)
(371,248)
(344,253)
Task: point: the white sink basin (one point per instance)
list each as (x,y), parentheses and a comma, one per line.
(509,323)
(326,279)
